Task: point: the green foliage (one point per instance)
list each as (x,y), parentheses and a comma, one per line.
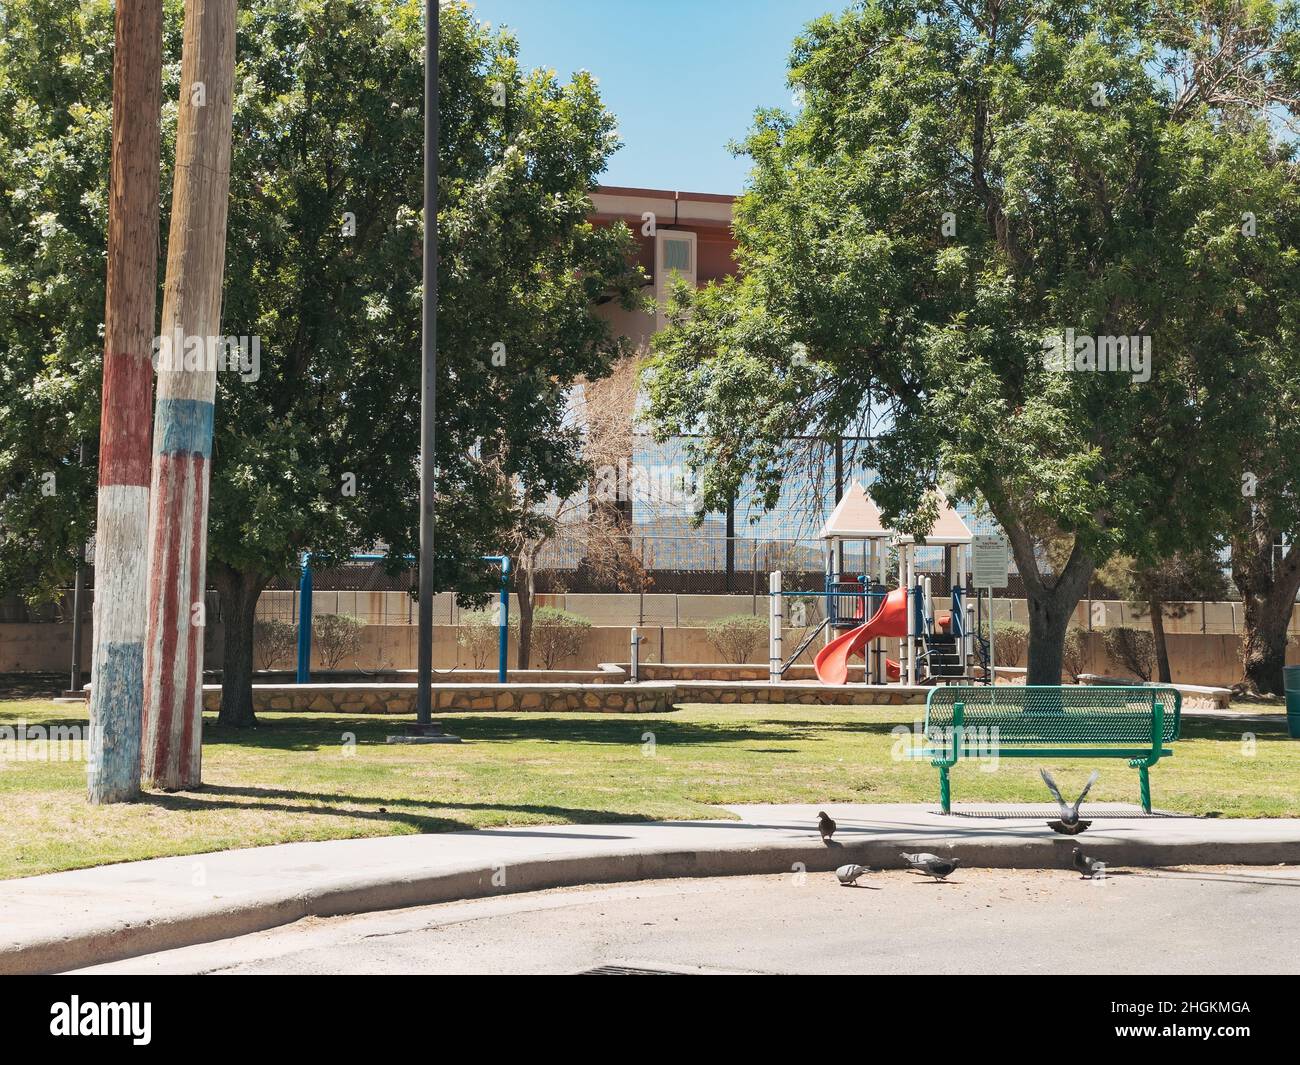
(336,637)
(1074,658)
(327,122)
(274,642)
(479,632)
(737,636)
(1010,642)
(56,64)
(557,634)
(1133,649)
(1115,218)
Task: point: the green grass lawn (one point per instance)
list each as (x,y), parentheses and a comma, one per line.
(309,777)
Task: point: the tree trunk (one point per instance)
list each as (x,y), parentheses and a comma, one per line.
(1263,647)
(1268,592)
(1162,647)
(1049,618)
(525,590)
(183,420)
(117,694)
(239,591)
(1051,600)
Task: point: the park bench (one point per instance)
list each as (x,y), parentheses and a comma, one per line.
(1135,722)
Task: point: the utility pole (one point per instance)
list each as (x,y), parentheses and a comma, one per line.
(428,369)
(187,383)
(122,504)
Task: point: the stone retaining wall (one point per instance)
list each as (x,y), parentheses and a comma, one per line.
(646,697)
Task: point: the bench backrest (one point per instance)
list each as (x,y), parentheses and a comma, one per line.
(1057,715)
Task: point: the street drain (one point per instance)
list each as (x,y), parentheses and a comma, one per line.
(627,970)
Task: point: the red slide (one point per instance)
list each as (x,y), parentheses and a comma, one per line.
(832,662)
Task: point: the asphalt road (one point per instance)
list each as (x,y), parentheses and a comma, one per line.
(1220,920)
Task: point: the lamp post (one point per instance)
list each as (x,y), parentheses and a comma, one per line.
(428,365)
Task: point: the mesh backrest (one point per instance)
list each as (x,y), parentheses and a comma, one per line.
(1030,714)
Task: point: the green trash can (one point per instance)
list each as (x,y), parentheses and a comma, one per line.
(1291,682)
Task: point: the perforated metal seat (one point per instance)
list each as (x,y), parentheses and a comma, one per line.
(1134,722)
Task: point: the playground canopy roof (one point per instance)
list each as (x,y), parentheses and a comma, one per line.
(855,517)
(948,529)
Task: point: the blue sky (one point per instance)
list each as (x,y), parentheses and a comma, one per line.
(682,76)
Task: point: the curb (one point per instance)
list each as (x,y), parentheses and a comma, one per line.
(96,945)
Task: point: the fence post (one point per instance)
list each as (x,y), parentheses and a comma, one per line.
(503,636)
(730,576)
(304,621)
(775,620)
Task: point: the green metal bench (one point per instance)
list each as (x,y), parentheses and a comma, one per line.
(1045,721)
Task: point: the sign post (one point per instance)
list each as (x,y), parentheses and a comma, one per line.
(990,564)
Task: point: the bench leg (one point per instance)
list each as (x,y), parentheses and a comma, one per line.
(945,790)
(1144,782)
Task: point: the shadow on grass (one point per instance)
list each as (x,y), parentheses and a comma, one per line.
(1215,728)
(292,801)
(299,734)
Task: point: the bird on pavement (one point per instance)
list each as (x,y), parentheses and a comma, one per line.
(848,874)
(1069,823)
(1089,867)
(825,826)
(932,864)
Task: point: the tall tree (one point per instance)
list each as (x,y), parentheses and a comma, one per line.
(970,193)
(117,697)
(187,377)
(1239,63)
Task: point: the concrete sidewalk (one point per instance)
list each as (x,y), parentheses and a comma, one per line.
(70,920)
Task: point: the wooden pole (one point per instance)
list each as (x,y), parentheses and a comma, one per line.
(187,382)
(113,760)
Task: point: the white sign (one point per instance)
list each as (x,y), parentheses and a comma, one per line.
(990,561)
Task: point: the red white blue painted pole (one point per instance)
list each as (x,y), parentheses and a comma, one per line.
(113,757)
(191,348)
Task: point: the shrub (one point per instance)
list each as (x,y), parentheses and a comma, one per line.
(478,632)
(737,636)
(557,634)
(1010,642)
(1075,656)
(336,636)
(1133,649)
(273,641)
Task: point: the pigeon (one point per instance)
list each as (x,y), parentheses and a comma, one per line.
(931,864)
(1069,824)
(848,874)
(1089,867)
(825,826)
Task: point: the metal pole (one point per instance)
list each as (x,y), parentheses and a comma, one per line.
(776,618)
(78,592)
(428,364)
(304,622)
(993,673)
(730,563)
(503,648)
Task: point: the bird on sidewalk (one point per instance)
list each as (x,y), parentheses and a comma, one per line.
(932,864)
(1069,823)
(848,874)
(825,826)
(1089,867)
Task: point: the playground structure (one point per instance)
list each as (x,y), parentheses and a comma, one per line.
(862,611)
